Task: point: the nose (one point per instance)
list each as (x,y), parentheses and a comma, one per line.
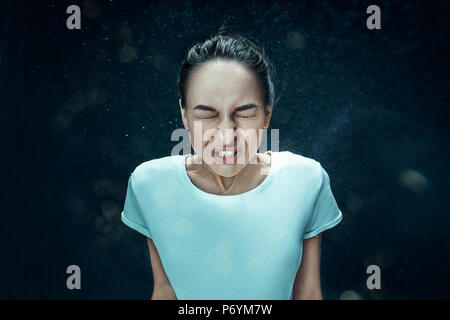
(227,134)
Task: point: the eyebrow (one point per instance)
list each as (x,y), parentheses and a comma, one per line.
(240,108)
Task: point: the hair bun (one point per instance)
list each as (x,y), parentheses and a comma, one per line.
(223,30)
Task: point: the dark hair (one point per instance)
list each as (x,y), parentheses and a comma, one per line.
(224,44)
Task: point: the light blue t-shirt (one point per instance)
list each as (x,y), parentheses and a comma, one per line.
(245,246)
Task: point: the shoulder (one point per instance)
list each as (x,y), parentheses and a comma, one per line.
(297,162)
(299,168)
(155,170)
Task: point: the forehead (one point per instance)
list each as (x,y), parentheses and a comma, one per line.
(219,83)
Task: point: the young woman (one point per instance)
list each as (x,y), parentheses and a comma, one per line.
(228,222)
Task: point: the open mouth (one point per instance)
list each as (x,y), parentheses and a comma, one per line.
(222,156)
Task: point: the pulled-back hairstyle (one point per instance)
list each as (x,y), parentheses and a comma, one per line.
(224,44)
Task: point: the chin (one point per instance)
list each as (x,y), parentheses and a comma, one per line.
(226,170)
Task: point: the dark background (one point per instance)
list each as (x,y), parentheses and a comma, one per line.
(80,109)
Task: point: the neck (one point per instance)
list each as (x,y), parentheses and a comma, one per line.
(228,184)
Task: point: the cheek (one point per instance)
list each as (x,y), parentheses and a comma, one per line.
(197,127)
(249,138)
(250,132)
(202,136)
(207,135)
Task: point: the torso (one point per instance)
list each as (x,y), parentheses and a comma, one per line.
(245,246)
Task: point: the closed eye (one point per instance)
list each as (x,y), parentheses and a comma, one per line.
(246,114)
(205,112)
(207,115)
(246,111)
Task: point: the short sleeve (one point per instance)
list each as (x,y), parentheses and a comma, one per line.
(326,213)
(132,214)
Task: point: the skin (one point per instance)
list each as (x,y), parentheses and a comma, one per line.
(162,289)
(307,281)
(225,97)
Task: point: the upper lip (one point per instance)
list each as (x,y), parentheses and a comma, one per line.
(219,150)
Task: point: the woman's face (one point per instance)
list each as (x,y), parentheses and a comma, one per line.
(224,113)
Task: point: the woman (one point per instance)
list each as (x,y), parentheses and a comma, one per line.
(229,222)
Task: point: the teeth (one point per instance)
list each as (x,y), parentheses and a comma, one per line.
(226,153)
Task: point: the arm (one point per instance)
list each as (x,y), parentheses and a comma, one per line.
(162,289)
(307,280)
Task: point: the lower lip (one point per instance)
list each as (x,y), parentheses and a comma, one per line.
(224,160)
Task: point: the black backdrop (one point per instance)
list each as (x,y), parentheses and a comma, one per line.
(80,109)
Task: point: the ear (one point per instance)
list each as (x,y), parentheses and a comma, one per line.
(268,116)
(183,115)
